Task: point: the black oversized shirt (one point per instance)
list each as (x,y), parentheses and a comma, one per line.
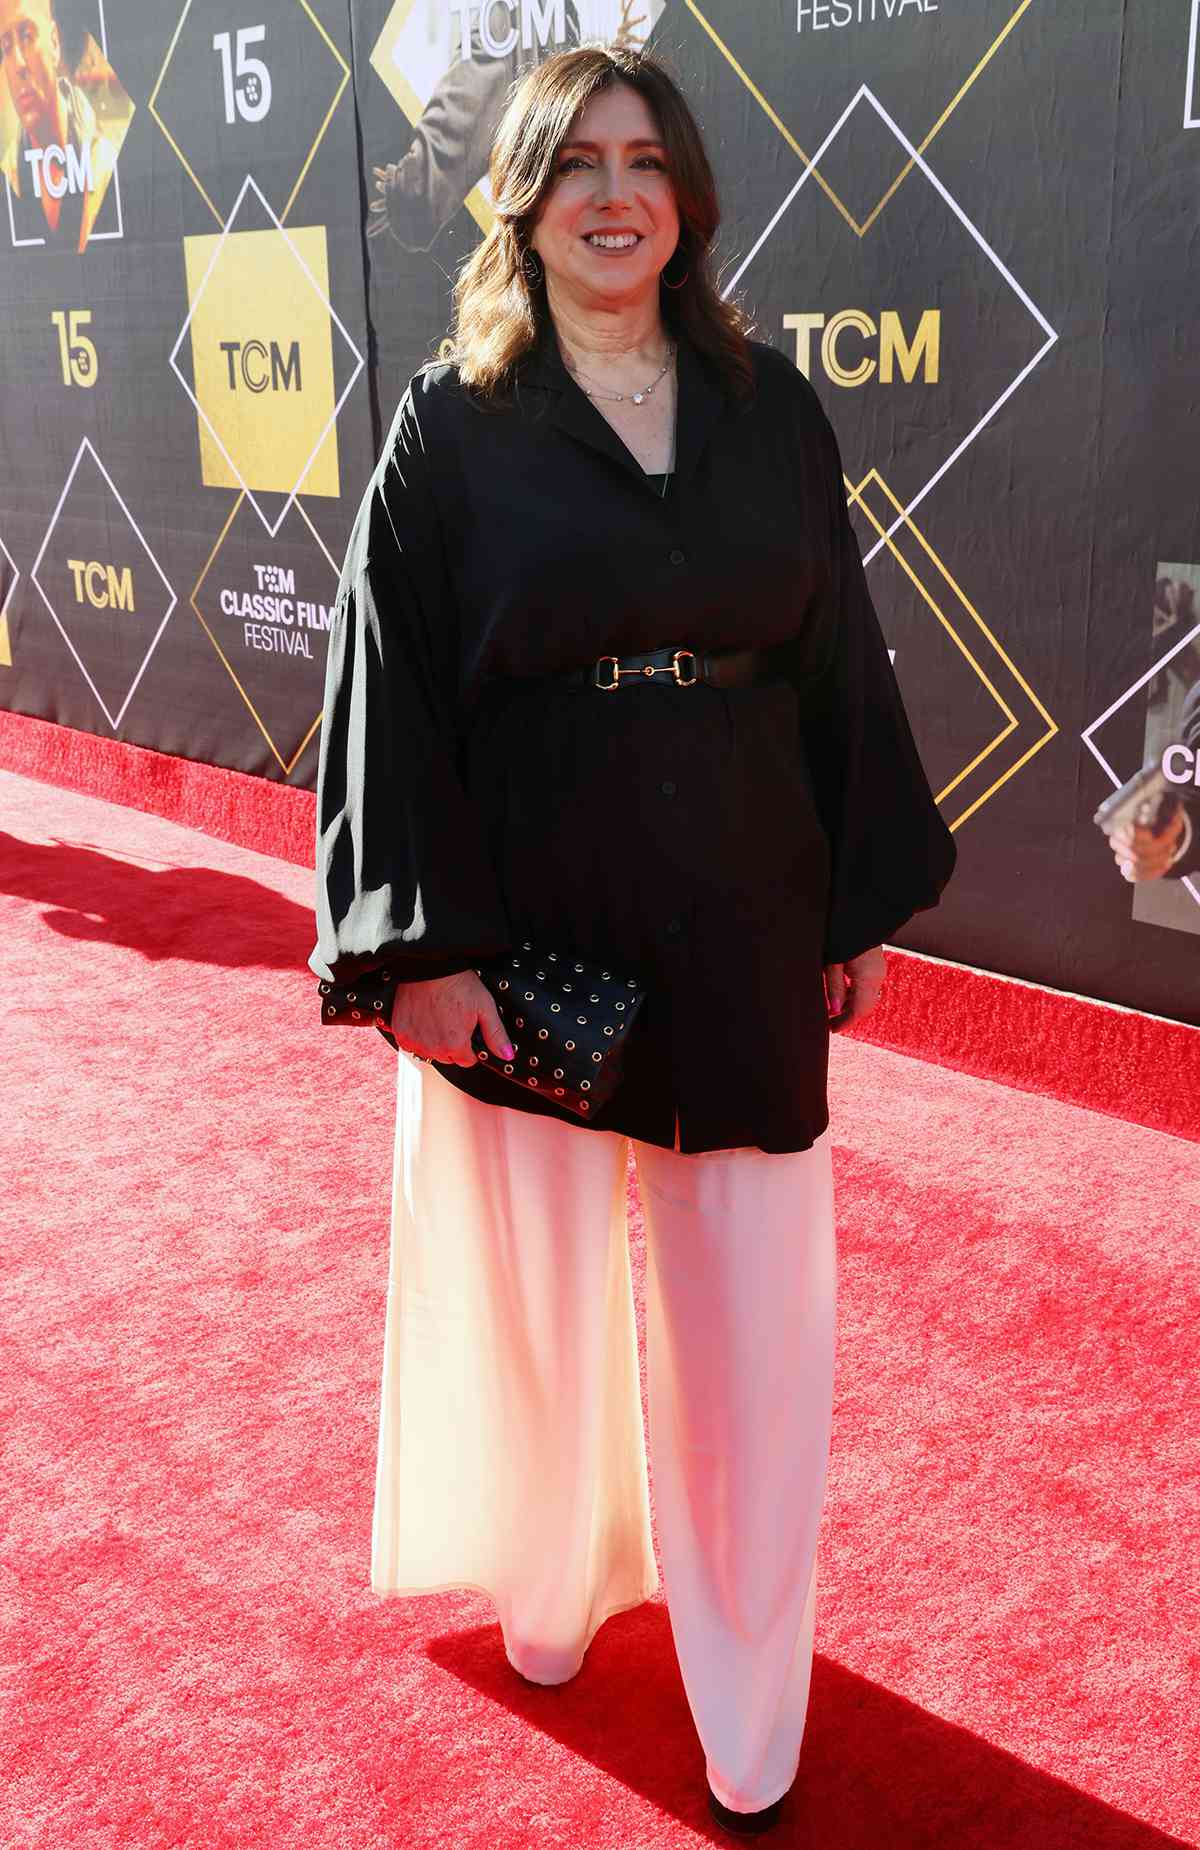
(724,844)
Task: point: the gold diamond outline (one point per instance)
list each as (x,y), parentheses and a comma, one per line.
(410,105)
(860,231)
(286,765)
(320,134)
(855,498)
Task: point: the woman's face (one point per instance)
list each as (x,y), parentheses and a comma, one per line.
(608,222)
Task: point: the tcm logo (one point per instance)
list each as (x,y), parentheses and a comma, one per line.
(103,586)
(258,366)
(505,23)
(60,170)
(853,349)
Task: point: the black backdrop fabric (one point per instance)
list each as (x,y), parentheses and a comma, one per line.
(971,222)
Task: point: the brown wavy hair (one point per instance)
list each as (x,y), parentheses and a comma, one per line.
(498,313)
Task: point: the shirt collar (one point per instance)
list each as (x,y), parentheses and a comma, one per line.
(701,403)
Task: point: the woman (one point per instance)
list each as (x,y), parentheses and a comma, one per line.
(608,469)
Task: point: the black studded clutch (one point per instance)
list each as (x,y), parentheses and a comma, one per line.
(568,1020)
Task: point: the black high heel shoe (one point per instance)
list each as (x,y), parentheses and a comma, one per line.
(745,1823)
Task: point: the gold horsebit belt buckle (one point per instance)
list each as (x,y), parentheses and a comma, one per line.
(671,668)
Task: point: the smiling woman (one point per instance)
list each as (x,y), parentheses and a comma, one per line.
(605,681)
(604,205)
(612,195)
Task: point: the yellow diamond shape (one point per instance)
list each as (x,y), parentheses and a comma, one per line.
(256,343)
(947,601)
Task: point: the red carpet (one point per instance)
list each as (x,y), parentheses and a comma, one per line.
(194,1269)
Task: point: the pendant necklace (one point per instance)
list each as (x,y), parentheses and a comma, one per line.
(638,398)
(634,398)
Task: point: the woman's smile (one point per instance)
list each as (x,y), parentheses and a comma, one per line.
(612,241)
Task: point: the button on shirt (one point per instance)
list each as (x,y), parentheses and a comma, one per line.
(466,801)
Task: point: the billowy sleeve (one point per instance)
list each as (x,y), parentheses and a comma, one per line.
(892,854)
(404,878)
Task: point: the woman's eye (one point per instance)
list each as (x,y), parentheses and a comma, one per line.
(576,160)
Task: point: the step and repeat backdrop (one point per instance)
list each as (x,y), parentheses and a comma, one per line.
(229,231)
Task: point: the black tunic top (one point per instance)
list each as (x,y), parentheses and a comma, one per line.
(725,844)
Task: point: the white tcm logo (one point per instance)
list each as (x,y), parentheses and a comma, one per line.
(57,171)
(505,24)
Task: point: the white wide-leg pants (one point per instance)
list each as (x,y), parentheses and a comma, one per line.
(512,1457)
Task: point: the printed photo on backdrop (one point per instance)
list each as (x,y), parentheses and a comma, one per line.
(1153,820)
(449,65)
(63,117)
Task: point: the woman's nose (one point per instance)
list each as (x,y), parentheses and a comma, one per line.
(611,188)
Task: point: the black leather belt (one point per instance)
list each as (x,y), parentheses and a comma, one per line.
(669,667)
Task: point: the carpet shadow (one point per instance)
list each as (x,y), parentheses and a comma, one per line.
(158,908)
(876,1772)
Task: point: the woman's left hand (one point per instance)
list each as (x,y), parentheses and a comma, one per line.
(852,989)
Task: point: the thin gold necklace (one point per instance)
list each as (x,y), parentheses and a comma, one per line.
(634,398)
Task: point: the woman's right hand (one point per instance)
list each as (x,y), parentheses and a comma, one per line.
(435,1019)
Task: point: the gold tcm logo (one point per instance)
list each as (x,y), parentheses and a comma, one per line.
(876,349)
(103,586)
(261,329)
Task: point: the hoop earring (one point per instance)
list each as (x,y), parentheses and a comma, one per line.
(537,274)
(682,280)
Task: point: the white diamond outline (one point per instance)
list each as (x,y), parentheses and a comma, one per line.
(88,445)
(95,237)
(918,160)
(250,181)
(1189,120)
(1097,754)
